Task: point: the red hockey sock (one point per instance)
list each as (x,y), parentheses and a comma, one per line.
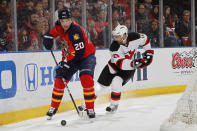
(115,96)
(88,90)
(58,92)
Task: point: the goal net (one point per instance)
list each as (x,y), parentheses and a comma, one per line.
(184,118)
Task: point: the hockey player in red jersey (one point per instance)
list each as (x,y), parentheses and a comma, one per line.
(121,67)
(78,54)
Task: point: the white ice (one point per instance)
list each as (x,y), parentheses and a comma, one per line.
(136,114)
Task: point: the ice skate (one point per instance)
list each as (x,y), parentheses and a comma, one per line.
(90,113)
(111,108)
(82,110)
(51,112)
(81,107)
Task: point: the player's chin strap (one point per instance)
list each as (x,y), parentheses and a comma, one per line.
(66,86)
(124,41)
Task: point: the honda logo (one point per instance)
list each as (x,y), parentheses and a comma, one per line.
(31,77)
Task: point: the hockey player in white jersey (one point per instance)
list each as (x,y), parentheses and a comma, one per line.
(121,67)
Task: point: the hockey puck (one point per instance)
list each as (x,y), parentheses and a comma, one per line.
(63,122)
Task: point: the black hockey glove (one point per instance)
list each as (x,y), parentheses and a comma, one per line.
(48,41)
(148,55)
(61,69)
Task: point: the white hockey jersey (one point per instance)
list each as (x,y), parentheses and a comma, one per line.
(122,56)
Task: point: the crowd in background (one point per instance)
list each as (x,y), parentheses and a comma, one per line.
(34,20)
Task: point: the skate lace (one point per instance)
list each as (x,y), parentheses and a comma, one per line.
(90,111)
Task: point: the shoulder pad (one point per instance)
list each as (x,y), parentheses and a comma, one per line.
(75,34)
(114,46)
(75,27)
(133,36)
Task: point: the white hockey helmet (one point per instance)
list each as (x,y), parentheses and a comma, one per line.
(120,30)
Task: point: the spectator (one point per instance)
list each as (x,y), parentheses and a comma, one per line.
(167,16)
(153,33)
(169,37)
(43,28)
(8,31)
(3,41)
(6,43)
(67,4)
(45,4)
(127,5)
(103,39)
(148,6)
(4,10)
(5,14)
(141,18)
(78,3)
(100,21)
(76,15)
(88,16)
(115,15)
(24,13)
(59,6)
(175,19)
(47,15)
(128,24)
(154,13)
(121,10)
(28,35)
(188,42)
(98,5)
(92,30)
(39,9)
(183,27)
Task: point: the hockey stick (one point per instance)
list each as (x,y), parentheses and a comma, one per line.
(66,86)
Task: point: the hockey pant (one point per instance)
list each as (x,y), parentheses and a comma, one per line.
(87,83)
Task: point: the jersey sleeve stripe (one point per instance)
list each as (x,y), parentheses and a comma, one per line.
(147,41)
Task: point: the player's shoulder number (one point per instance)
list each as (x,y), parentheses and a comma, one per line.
(79,46)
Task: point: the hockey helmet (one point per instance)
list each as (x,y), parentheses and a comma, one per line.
(120,30)
(64,14)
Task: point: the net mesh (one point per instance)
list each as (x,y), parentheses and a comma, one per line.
(184,118)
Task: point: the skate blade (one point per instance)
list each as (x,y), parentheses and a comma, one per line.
(49,117)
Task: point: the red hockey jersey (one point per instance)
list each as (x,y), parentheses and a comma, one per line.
(79,46)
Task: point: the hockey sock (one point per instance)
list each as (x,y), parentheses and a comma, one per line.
(115,97)
(58,92)
(88,90)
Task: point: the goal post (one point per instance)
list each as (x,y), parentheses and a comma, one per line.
(184,117)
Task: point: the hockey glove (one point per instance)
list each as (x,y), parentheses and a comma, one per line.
(138,63)
(48,41)
(148,55)
(61,68)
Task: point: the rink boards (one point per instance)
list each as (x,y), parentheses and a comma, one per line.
(27,78)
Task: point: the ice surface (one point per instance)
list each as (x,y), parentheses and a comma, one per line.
(136,114)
